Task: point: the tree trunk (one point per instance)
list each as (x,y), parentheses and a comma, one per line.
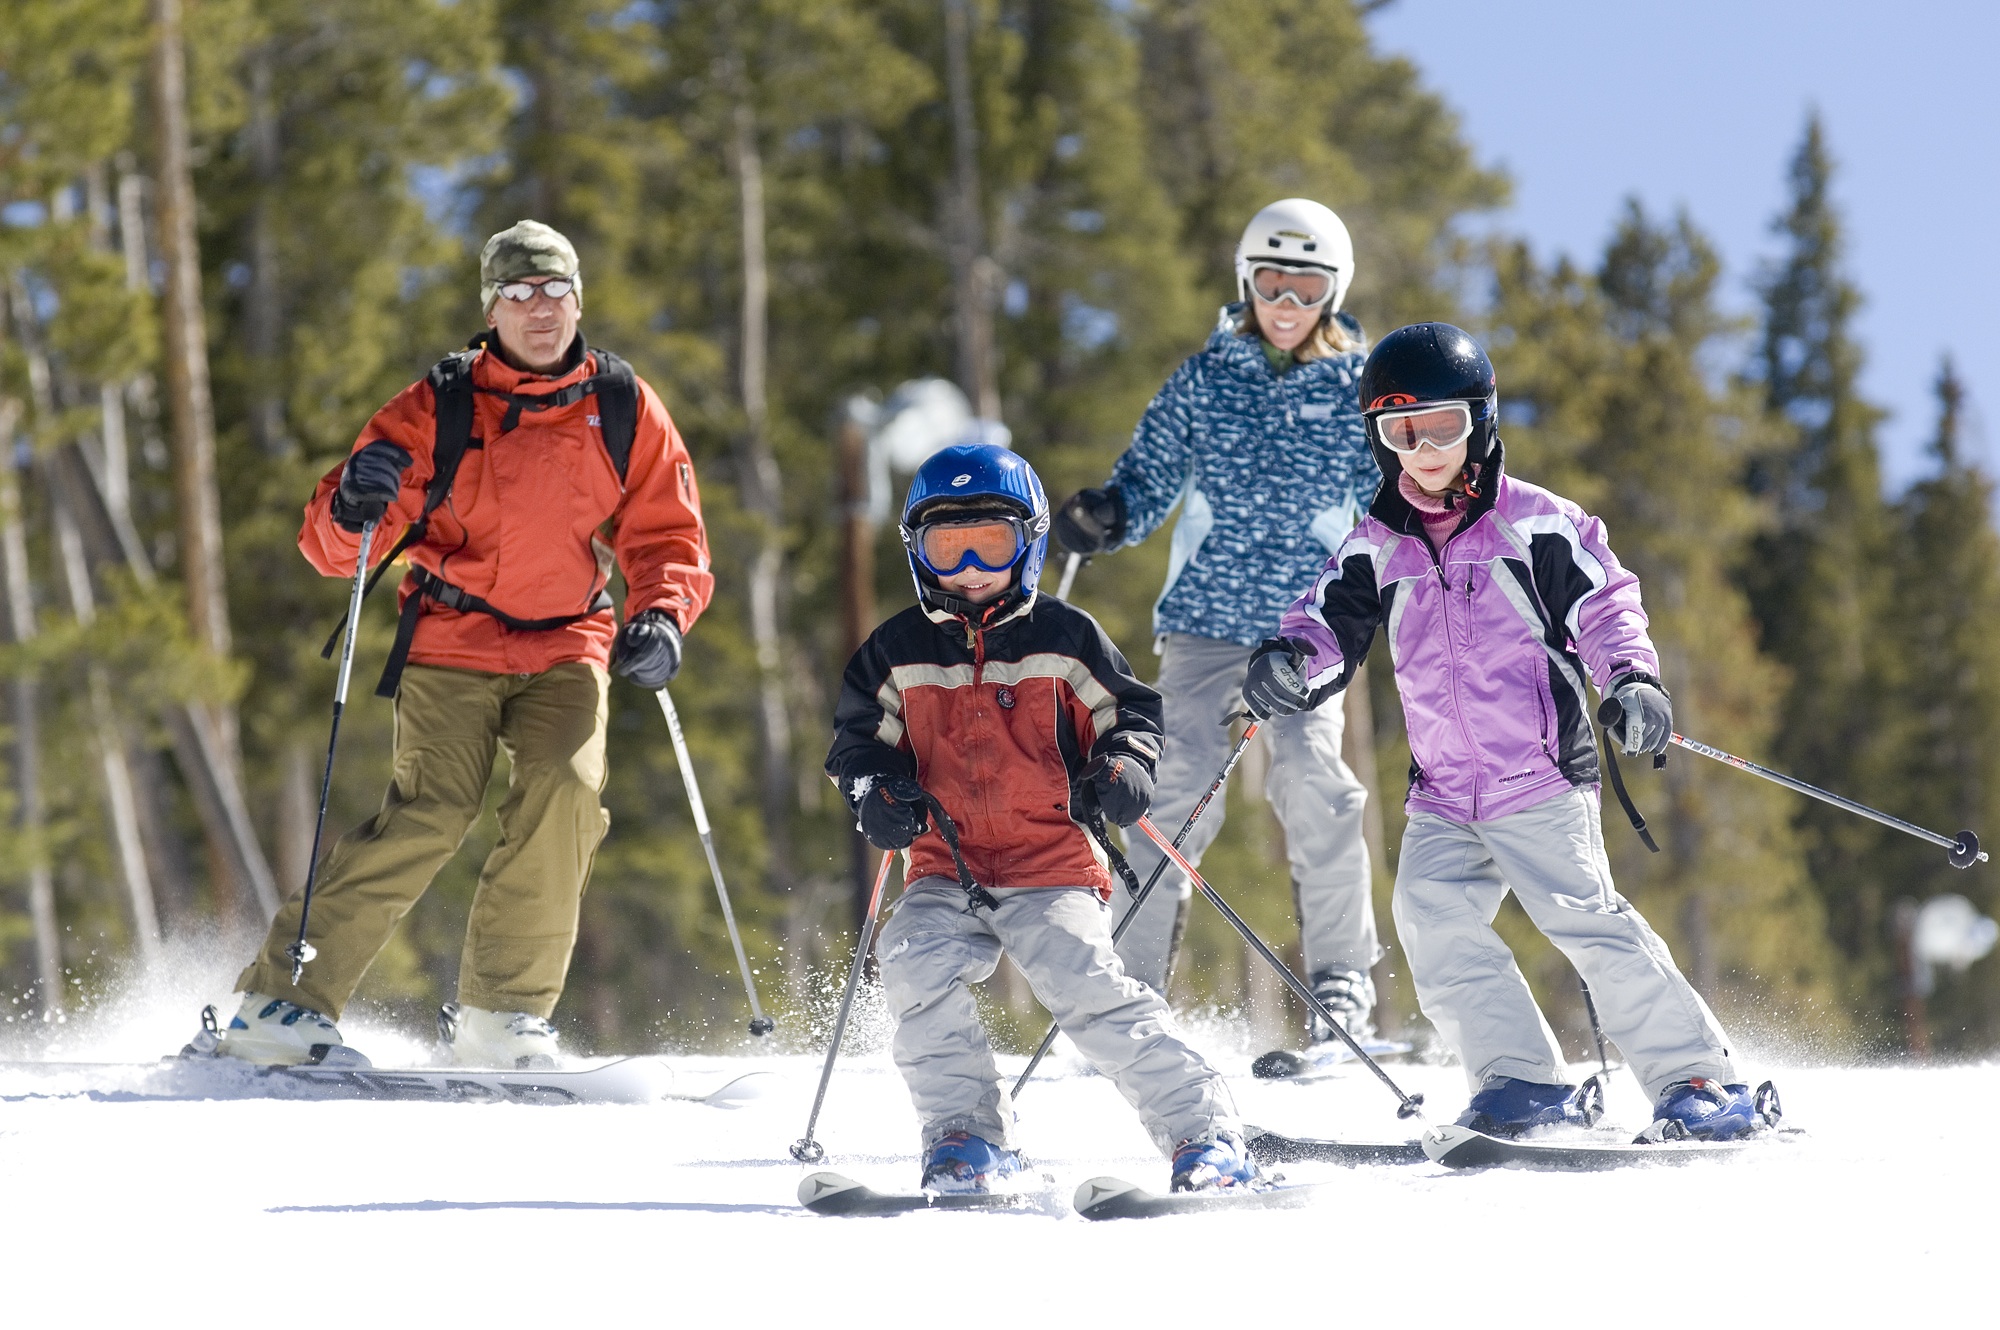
(196,499)
(763,495)
(263,311)
(965,226)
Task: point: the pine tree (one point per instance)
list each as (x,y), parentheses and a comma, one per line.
(1818,578)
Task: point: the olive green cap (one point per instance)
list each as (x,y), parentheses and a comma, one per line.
(525,249)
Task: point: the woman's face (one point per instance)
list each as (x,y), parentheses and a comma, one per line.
(1284,325)
(1434,471)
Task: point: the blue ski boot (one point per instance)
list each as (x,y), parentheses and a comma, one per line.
(1703,1110)
(1508,1107)
(1213,1162)
(962,1163)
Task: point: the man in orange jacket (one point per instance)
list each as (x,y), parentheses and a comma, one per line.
(564,460)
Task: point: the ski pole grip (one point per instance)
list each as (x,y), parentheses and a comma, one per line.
(1609,710)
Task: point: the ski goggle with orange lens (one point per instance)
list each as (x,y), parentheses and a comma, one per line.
(1308,288)
(1439,425)
(947,546)
(522,292)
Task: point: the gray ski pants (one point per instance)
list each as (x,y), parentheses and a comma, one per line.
(1317,799)
(932,950)
(1450,881)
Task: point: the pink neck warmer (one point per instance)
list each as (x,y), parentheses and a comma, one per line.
(1439,520)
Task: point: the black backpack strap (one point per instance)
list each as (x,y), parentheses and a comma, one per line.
(451,385)
(617,407)
(426,585)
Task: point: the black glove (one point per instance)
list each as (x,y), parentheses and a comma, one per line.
(1276,683)
(648,650)
(1116,784)
(892,812)
(1092,522)
(369,483)
(1648,718)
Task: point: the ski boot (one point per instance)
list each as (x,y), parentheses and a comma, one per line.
(1212,1163)
(1350,996)
(510,1040)
(1507,1107)
(274,1032)
(1700,1109)
(963,1164)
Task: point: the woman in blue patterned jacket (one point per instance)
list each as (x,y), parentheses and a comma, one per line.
(1259,439)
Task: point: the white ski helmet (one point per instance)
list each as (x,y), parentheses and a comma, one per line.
(1297,233)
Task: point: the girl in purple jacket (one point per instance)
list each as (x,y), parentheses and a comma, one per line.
(1498,597)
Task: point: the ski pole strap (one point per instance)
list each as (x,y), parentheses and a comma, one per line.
(1118,864)
(978,895)
(1624,799)
(428,586)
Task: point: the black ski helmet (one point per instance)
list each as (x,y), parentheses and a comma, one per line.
(1430,362)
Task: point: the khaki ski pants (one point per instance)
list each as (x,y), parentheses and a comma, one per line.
(932,950)
(449,724)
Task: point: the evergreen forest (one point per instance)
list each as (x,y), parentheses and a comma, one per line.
(231,229)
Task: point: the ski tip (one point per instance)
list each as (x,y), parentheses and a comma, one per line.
(1439,1141)
(816,1189)
(1098,1191)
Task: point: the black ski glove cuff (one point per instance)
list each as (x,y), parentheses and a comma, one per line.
(369,483)
(648,650)
(890,811)
(1092,521)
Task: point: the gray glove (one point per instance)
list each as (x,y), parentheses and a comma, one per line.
(1648,718)
(1276,684)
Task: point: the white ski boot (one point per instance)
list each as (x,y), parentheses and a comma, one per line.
(511,1040)
(274,1032)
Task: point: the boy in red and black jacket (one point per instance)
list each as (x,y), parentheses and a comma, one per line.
(1021,719)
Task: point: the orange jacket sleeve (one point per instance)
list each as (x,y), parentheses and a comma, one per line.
(659,539)
(410,422)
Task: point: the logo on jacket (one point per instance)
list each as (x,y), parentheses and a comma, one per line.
(1006,698)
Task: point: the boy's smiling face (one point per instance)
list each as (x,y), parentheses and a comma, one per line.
(975,584)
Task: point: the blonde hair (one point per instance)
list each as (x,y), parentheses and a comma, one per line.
(1329,338)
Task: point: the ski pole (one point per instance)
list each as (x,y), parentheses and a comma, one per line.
(805,1149)
(1408,1105)
(1596,1027)
(1139,896)
(1964,849)
(1069,576)
(300,951)
(760,1024)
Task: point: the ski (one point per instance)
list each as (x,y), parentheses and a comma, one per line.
(1281,1064)
(1272,1148)
(1115,1198)
(633,1080)
(1462,1147)
(837,1194)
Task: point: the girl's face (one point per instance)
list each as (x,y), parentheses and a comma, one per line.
(1434,471)
(1284,325)
(975,584)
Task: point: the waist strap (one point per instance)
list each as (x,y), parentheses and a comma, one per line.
(427,585)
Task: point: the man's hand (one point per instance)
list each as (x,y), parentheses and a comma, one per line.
(1276,683)
(1092,522)
(648,650)
(1119,786)
(1649,715)
(369,483)
(892,812)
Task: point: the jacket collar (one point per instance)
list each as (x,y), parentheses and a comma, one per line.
(491,371)
(1397,513)
(1244,358)
(952,610)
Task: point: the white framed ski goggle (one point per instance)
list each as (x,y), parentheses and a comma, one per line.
(1307,288)
(1439,425)
(522,292)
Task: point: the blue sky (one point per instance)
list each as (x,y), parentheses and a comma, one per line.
(1700,104)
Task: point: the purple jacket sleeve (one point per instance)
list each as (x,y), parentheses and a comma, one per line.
(1336,619)
(1595,597)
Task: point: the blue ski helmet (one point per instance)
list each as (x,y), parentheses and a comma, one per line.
(969,477)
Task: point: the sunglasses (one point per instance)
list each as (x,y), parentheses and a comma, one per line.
(1308,288)
(522,292)
(993,544)
(1439,425)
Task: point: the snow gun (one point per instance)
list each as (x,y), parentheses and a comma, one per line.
(1963,850)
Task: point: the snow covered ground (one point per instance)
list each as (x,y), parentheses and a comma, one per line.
(344,1214)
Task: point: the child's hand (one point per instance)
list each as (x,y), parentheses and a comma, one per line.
(1275,686)
(1119,786)
(1648,718)
(893,813)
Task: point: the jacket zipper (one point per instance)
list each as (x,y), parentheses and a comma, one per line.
(1451,649)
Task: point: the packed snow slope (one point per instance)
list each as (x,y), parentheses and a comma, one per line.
(123,1211)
